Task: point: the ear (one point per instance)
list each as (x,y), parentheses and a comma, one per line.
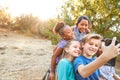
(82,45)
(63,36)
(67,49)
(99,52)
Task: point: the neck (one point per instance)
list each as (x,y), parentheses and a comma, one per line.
(87,56)
(69,57)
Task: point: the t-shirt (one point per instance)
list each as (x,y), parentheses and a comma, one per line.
(61,44)
(78,35)
(107,72)
(65,70)
(84,61)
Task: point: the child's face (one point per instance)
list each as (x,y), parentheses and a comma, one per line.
(91,47)
(74,49)
(68,33)
(83,25)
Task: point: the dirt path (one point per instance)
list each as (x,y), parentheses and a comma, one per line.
(24,58)
(117,68)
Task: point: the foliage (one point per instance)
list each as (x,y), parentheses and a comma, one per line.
(5,19)
(46,31)
(26,23)
(30,25)
(104,15)
(118,58)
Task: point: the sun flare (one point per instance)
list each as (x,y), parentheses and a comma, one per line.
(44,9)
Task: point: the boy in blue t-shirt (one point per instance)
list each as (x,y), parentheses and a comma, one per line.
(86,66)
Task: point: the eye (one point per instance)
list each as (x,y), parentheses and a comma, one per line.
(75,46)
(86,25)
(96,45)
(90,43)
(82,24)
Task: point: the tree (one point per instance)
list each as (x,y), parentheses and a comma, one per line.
(104,15)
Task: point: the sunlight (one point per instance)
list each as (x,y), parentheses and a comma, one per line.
(44,9)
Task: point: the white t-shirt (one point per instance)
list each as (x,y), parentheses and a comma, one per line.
(107,72)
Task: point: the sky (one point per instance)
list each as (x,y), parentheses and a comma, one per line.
(44,9)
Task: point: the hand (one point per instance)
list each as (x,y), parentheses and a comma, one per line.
(52,76)
(87,30)
(99,52)
(116,76)
(111,51)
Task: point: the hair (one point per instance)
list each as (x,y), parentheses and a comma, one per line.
(69,42)
(83,17)
(58,28)
(108,41)
(87,37)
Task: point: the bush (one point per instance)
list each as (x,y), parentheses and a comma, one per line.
(118,58)
(45,30)
(26,23)
(32,25)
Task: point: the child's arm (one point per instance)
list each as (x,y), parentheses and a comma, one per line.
(56,53)
(109,52)
(116,77)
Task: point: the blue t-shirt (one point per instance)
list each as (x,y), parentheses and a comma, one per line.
(84,61)
(78,35)
(65,70)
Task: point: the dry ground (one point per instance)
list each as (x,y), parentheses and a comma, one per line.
(23,58)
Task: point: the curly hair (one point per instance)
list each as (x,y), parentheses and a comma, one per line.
(58,28)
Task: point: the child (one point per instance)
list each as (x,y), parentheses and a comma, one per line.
(82,27)
(86,66)
(66,34)
(108,70)
(65,66)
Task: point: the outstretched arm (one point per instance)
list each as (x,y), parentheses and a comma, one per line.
(109,52)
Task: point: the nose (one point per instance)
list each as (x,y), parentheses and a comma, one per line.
(72,33)
(93,47)
(78,49)
(84,27)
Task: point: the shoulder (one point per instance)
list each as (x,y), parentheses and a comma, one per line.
(62,43)
(79,60)
(64,63)
(73,27)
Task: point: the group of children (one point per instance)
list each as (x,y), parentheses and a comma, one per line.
(73,59)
